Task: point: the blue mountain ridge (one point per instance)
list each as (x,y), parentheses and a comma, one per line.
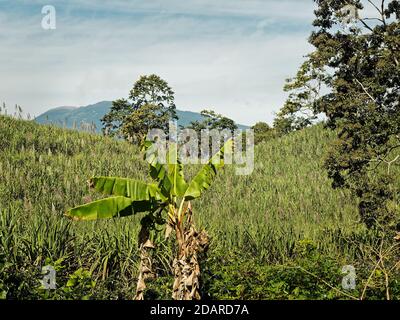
(70,117)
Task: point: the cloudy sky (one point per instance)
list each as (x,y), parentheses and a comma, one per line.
(228,55)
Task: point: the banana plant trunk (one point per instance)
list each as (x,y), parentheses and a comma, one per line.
(146,266)
(186,265)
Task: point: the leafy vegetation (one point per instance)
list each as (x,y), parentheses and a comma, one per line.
(280,233)
(356,60)
(167,201)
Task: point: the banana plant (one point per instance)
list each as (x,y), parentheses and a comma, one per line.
(166,200)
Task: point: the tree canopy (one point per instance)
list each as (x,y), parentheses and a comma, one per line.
(262,132)
(356,61)
(150,105)
(212,120)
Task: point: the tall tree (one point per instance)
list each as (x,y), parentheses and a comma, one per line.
(150,98)
(360,56)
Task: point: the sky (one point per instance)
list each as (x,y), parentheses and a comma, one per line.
(232,56)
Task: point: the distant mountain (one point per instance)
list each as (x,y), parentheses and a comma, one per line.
(74,117)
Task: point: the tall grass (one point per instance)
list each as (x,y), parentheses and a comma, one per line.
(263,216)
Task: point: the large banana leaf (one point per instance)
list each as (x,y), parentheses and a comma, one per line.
(158,171)
(170,176)
(108,208)
(202,181)
(175,171)
(130,188)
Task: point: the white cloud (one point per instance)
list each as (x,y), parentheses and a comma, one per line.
(235,67)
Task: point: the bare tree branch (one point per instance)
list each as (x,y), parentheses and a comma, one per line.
(375,6)
(366,91)
(365,25)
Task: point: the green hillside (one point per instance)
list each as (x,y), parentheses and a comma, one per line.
(280,233)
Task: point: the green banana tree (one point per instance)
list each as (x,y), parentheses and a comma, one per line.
(167,200)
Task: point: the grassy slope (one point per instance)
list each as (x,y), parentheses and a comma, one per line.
(259,218)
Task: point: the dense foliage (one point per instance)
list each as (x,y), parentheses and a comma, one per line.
(356,62)
(281,233)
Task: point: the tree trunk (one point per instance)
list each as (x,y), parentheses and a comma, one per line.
(145,267)
(186,265)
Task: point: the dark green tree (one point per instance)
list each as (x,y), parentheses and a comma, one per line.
(137,125)
(212,120)
(151,98)
(361,103)
(262,132)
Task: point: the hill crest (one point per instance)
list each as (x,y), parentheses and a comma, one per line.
(70,117)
